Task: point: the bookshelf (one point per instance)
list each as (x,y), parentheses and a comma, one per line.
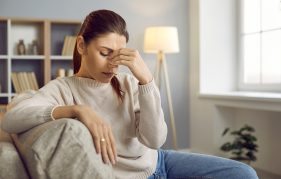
(44,61)
(59,30)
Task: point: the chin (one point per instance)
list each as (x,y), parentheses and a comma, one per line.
(108,80)
(105,79)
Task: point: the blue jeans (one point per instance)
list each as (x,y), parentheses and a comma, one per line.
(181,165)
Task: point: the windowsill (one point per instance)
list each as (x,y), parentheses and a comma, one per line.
(246,100)
(242,95)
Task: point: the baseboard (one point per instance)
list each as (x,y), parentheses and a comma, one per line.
(266,175)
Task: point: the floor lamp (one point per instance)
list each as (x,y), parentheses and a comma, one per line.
(163,40)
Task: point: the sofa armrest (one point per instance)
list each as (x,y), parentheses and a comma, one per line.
(4,136)
(11,165)
(62,148)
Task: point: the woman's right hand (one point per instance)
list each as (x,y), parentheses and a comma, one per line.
(101,131)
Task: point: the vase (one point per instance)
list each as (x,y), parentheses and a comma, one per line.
(34,47)
(21,47)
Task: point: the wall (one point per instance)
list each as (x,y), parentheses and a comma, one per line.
(210,70)
(139,14)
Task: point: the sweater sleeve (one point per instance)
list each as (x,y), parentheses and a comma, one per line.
(151,128)
(28,111)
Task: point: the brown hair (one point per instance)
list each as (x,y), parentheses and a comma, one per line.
(99,23)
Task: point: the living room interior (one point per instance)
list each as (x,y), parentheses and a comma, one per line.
(221,69)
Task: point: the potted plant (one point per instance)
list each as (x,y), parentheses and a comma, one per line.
(243,147)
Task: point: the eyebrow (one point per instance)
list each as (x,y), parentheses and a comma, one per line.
(111,50)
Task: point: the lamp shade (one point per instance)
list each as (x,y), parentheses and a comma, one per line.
(161,38)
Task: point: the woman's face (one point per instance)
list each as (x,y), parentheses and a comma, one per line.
(94,56)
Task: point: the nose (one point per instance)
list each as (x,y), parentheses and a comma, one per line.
(112,68)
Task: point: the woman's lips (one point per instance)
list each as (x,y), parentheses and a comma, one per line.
(109,74)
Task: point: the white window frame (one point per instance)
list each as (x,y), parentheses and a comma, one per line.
(276,87)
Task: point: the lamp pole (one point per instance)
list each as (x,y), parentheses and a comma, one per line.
(161,62)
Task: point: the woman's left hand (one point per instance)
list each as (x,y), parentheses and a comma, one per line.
(132,59)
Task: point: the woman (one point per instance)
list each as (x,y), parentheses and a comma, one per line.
(122,112)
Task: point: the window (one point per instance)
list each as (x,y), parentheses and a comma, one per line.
(260,45)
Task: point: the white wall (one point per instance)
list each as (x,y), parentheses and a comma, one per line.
(213,61)
(268,125)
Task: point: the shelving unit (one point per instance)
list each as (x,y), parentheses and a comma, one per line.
(60,29)
(3,56)
(4,95)
(49,35)
(29,57)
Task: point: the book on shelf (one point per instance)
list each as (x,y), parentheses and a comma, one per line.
(15,83)
(61,72)
(68,45)
(23,81)
(34,80)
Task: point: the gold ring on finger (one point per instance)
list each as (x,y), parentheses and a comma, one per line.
(102,139)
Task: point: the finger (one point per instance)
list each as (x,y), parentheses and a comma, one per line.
(104,152)
(106,129)
(109,149)
(123,51)
(96,138)
(127,50)
(103,145)
(113,144)
(124,62)
(111,65)
(117,60)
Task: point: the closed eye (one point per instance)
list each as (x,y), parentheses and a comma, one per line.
(105,54)
(105,51)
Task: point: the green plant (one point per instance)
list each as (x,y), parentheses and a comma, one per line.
(243,147)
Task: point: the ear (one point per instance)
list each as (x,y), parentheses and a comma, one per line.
(81,45)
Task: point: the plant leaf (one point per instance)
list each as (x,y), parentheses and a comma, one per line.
(225,131)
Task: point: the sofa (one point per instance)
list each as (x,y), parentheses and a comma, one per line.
(11,165)
(57,149)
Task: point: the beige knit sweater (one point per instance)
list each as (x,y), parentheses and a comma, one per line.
(137,123)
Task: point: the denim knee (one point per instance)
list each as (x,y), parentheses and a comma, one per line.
(245,171)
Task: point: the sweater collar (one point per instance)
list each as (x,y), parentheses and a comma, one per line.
(88,81)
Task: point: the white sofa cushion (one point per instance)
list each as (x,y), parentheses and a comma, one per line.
(62,148)
(11,165)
